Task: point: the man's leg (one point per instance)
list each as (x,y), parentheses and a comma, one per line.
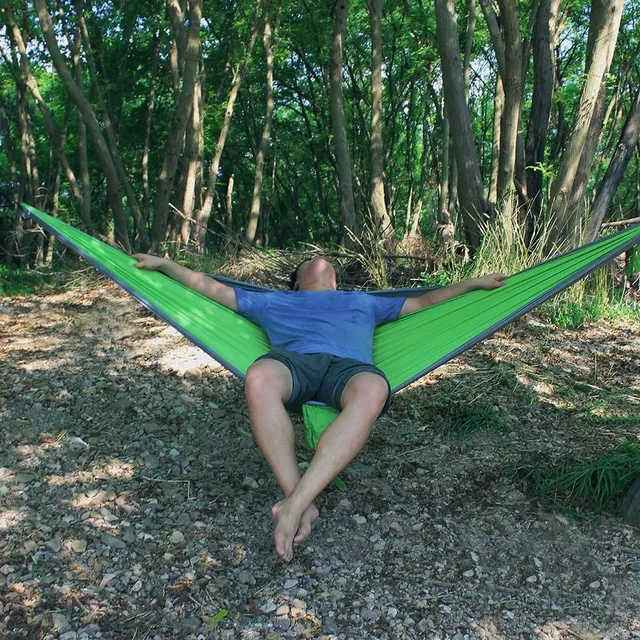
(268,386)
(362,400)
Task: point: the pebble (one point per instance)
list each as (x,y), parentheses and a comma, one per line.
(250,482)
(300,604)
(60,623)
(89,630)
(282,610)
(190,624)
(6,569)
(177,537)
(268,607)
(468,574)
(68,635)
(360,519)
(595,584)
(79,546)
(112,541)
(290,583)
(53,545)
(532,579)
(329,626)
(282,623)
(246,577)
(392,612)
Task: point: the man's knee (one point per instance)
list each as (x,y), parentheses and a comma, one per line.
(267,378)
(369,391)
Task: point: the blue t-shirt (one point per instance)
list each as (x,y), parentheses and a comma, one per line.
(337,322)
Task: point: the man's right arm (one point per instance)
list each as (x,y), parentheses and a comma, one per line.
(203,284)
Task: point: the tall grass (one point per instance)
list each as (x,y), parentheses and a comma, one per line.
(504,250)
(587,487)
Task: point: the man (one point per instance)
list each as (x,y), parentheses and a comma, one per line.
(321,341)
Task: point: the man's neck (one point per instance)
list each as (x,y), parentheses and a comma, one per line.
(319,287)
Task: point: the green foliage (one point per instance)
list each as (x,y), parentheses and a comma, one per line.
(19,282)
(586,487)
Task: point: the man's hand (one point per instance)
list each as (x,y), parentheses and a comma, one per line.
(147,262)
(491,281)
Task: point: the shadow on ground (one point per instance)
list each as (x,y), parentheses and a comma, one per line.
(135,503)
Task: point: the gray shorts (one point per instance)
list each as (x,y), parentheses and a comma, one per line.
(320,376)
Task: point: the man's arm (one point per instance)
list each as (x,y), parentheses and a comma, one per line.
(411,305)
(203,284)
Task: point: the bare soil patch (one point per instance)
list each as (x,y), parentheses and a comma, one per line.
(135,504)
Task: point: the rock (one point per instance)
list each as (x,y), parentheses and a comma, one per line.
(89,630)
(282,610)
(79,546)
(329,626)
(53,545)
(268,607)
(250,482)
(112,541)
(368,614)
(468,574)
(193,374)
(60,623)
(25,476)
(426,624)
(246,577)
(290,583)
(532,579)
(392,612)
(283,623)
(177,537)
(300,604)
(137,586)
(360,519)
(190,624)
(6,569)
(68,635)
(595,584)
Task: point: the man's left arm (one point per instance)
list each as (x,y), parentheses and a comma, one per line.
(428,299)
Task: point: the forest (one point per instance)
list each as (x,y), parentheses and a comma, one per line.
(413,125)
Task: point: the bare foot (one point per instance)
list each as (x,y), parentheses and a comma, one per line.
(286,527)
(306,522)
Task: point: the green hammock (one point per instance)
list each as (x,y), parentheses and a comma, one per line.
(404,350)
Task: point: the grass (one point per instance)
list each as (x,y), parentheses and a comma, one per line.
(587,488)
(460,421)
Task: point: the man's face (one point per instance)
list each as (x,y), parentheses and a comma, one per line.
(316,271)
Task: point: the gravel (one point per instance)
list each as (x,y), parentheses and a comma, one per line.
(135,504)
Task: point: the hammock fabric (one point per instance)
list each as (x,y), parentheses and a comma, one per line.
(404,350)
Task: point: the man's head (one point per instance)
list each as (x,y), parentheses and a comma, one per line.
(313,274)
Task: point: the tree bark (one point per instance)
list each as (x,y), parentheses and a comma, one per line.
(104,156)
(178,127)
(615,172)
(256,199)
(47,117)
(348,218)
(605,38)
(470,189)
(147,130)
(205,212)
(112,142)
(377,202)
(544,73)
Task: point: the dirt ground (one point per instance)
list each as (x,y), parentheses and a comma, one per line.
(135,504)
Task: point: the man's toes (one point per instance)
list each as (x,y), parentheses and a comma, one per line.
(304,531)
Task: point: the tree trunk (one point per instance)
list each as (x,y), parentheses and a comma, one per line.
(612,179)
(338,128)
(147,130)
(378,206)
(47,117)
(191,173)
(544,74)
(424,176)
(178,127)
(578,188)
(470,189)
(6,227)
(104,156)
(112,143)
(443,196)
(605,38)
(269,49)
(202,220)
